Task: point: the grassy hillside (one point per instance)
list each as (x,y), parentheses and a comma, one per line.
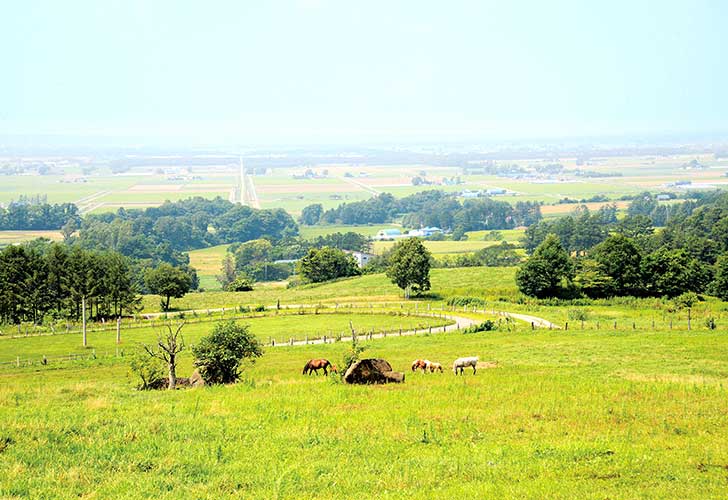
(481,281)
(589,415)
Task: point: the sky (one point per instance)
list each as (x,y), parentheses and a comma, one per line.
(327,72)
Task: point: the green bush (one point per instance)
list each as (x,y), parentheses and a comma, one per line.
(242,283)
(150,370)
(485,326)
(219,356)
(465,301)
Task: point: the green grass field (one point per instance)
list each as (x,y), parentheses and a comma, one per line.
(490,282)
(564,415)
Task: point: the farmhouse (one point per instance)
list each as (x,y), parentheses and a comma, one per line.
(362,258)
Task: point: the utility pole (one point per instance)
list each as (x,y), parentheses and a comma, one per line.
(83,309)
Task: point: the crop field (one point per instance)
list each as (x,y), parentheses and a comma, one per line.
(208,262)
(439,248)
(562,415)
(13,237)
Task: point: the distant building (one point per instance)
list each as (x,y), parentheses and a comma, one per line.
(425,232)
(388,234)
(495,191)
(663,197)
(362,258)
(470,194)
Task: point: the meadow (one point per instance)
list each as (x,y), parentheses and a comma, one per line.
(563,415)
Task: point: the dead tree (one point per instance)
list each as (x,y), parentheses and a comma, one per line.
(167,349)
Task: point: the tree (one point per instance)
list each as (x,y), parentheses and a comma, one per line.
(168,348)
(324,264)
(168,281)
(619,258)
(409,266)
(719,286)
(542,275)
(311,214)
(672,272)
(219,356)
(227,271)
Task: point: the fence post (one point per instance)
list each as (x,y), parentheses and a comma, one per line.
(615,325)
(118,330)
(17,361)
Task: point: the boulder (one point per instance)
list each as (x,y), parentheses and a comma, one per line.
(372,371)
(196,379)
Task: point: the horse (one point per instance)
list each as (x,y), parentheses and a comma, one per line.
(421,364)
(314,365)
(461,363)
(435,367)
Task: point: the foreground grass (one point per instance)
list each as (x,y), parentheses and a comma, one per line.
(593,415)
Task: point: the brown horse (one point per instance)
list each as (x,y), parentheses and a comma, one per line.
(420,364)
(435,367)
(314,365)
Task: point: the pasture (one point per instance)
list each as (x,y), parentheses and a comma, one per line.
(563,415)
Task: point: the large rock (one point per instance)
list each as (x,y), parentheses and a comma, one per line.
(196,379)
(372,371)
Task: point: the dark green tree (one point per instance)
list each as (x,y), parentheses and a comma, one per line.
(168,281)
(620,259)
(409,266)
(325,264)
(719,286)
(311,214)
(543,275)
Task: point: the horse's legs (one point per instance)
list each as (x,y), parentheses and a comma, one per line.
(473,369)
(326,373)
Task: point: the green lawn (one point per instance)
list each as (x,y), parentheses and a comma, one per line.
(564,415)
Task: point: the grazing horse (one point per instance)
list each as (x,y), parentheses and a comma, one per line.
(435,367)
(314,365)
(421,364)
(461,363)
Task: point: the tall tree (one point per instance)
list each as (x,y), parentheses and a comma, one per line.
(168,281)
(409,266)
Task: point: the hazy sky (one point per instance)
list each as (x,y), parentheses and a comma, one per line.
(331,71)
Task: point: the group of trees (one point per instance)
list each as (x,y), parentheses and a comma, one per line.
(615,267)
(257,258)
(163,233)
(33,217)
(41,280)
(37,280)
(428,208)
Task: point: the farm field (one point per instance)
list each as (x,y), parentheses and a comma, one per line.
(208,262)
(13,237)
(439,248)
(563,415)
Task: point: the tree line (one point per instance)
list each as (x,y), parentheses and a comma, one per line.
(164,233)
(428,208)
(20,216)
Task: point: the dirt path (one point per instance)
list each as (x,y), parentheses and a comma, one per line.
(459,322)
(539,322)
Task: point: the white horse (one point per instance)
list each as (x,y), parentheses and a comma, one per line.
(461,363)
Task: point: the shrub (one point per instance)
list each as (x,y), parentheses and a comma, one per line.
(242,283)
(219,356)
(465,301)
(485,326)
(710,323)
(149,369)
(578,314)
